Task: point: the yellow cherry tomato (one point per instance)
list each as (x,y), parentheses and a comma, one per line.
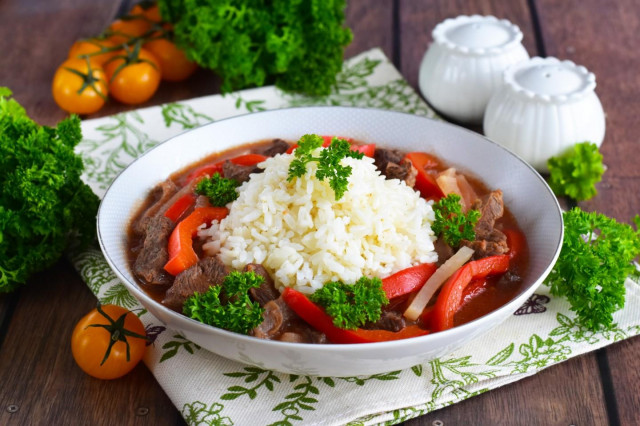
(151,13)
(79,86)
(92,48)
(106,348)
(174,65)
(122,30)
(133,80)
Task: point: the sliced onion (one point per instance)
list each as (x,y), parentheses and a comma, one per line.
(448,183)
(436,280)
(468,194)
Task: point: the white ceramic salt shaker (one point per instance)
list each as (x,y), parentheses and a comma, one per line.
(544,107)
(463,66)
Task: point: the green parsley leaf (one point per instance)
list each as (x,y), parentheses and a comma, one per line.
(329,166)
(575,173)
(451,224)
(352,305)
(45,207)
(238,313)
(298,45)
(596,257)
(220,191)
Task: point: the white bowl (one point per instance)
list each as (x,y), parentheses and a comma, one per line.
(525,194)
(463,66)
(543,107)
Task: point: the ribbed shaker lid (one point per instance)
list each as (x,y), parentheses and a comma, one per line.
(550,80)
(477,35)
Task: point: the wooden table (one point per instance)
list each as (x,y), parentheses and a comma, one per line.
(42,385)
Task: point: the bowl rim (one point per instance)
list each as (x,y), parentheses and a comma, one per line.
(139,293)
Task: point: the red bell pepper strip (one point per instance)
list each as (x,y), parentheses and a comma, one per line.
(321,321)
(368,150)
(325,144)
(407,280)
(206,170)
(181,253)
(474,288)
(248,159)
(181,205)
(425,183)
(515,241)
(327,141)
(450,297)
(210,169)
(426,316)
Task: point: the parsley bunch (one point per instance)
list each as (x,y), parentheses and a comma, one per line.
(220,191)
(352,305)
(298,45)
(44,205)
(228,305)
(575,173)
(329,166)
(451,223)
(596,257)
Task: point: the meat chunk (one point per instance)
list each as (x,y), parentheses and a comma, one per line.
(392,164)
(208,272)
(277,146)
(491,208)
(389,320)
(303,335)
(161,193)
(267,290)
(489,240)
(397,171)
(277,314)
(384,156)
(443,250)
(149,265)
(238,172)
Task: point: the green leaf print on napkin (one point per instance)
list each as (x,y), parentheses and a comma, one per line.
(183,115)
(250,375)
(122,140)
(173,347)
(198,413)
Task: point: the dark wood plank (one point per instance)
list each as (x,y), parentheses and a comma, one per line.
(40,378)
(603,36)
(371,22)
(36,39)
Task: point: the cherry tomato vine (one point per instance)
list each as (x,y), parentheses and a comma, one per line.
(140,45)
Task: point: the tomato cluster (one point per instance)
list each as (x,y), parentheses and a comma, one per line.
(126,62)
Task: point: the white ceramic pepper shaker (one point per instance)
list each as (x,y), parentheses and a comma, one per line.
(544,107)
(463,66)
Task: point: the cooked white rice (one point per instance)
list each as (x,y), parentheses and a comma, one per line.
(305,238)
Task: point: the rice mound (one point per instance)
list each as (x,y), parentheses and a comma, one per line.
(305,238)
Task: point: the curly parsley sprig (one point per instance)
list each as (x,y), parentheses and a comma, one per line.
(329,166)
(220,191)
(575,173)
(596,258)
(451,223)
(228,305)
(351,306)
